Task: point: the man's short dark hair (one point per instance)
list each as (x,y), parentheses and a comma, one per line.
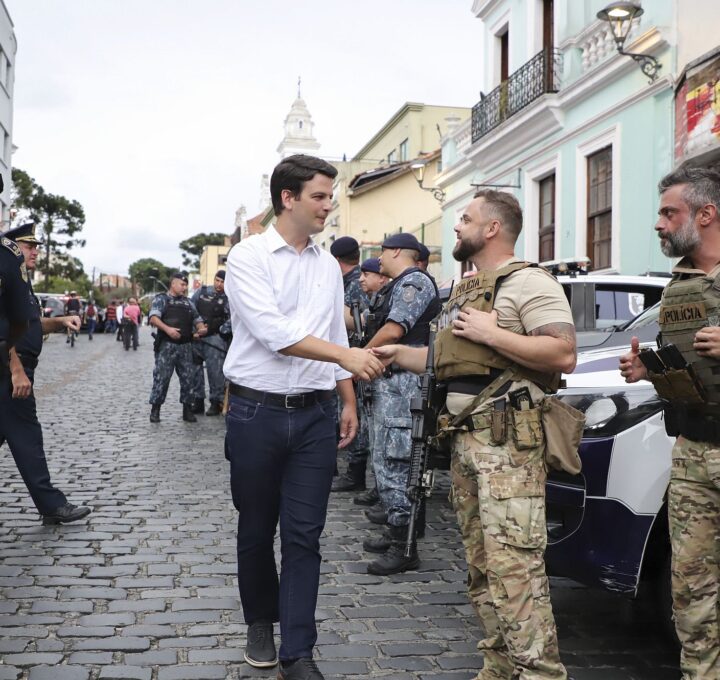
(703,186)
(292,173)
(505,208)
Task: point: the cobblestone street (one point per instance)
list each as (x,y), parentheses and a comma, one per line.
(146,588)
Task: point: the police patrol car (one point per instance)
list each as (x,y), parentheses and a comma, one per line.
(608,525)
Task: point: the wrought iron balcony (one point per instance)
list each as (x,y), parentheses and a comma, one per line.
(533,79)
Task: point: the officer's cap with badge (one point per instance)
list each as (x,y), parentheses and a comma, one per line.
(179,275)
(372,264)
(25,233)
(402,240)
(344,247)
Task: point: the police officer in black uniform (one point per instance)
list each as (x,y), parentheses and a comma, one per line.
(212,305)
(21,427)
(174,317)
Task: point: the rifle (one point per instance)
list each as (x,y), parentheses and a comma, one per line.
(424,410)
(356,337)
(356,340)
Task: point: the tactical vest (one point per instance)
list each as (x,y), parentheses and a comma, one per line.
(459,357)
(420,332)
(179,314)
(212,307)
(690,303)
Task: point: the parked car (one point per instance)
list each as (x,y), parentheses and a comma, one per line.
(608,526)
(52,305)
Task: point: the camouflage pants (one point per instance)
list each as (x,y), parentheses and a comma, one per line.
(171,358)
(391,442)
(359,448)
(498,493)
(212,350)
(694,516)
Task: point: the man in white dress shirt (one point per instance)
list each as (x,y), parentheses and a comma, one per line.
(288,361)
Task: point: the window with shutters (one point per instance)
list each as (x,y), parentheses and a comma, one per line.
(599,193)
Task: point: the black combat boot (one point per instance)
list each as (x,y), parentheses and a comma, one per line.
(370,497)
(197,406)
(377,514)
(393,561)
(378,544)
(215,409)
(188,415)
(353,479)
(155,413)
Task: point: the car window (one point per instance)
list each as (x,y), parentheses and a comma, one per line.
(615,305)
(648,317)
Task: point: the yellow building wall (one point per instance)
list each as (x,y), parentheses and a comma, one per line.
(418,124)
(211,260)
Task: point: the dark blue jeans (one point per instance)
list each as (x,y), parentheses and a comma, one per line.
(20,427)
(281,468)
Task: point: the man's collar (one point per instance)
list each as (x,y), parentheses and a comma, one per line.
(277,242)
(686,266)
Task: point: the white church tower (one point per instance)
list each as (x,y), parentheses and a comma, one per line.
(299,126)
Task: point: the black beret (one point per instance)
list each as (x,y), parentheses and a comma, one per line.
(402,240)
(344,246)
(179,275)
(25,233)
(220,274)
(424,253)
(372,264)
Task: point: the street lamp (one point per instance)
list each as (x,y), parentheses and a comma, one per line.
(418,168)
(620,16)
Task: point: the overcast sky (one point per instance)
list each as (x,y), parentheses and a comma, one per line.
(160,116)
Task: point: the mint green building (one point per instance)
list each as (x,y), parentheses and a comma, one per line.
(579,133)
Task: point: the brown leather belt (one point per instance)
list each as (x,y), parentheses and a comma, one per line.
(301,400)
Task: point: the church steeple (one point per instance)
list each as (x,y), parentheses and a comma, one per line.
(299,137)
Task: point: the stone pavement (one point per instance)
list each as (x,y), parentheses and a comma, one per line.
(146,588)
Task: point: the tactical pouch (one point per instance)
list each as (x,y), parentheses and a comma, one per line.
(498,427)
(563,426)
(526,426)
(679,385)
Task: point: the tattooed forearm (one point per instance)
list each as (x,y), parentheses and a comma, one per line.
(563,331)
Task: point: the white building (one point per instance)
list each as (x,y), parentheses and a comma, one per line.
(8,49)
(299,136)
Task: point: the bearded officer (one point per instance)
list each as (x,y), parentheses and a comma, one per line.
(174,317)
(212,305)
(22,430)
(401,312)
(504,338)
(689,228)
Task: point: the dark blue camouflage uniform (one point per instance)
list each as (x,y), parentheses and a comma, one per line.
(210,351)
(171,357)
(359,449)
(391,404)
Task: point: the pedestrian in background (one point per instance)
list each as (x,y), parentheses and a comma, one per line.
(119,316)
(210,350)
(111,317)
(288,356)
(176,321)
(90,318)
(133,313)
(689,228)
(18,413)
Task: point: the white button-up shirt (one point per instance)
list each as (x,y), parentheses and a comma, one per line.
(278,297)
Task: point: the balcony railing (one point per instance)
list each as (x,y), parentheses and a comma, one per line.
(533,79)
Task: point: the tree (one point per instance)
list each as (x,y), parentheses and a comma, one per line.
(146,271)
(59,218)
(192,247)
